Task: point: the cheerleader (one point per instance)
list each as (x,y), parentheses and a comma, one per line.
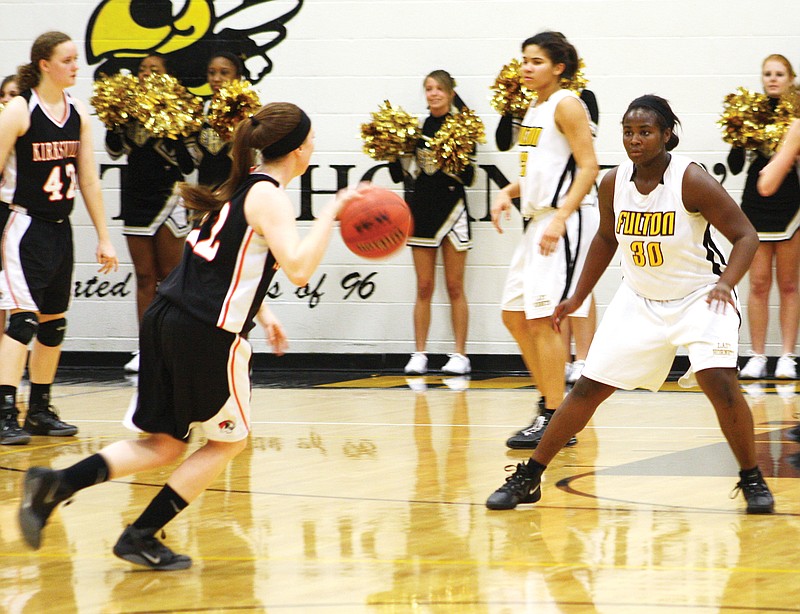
(155,225)
(441,223)
(213,152)
(776,219)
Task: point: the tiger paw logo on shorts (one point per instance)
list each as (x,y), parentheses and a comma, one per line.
(227,426)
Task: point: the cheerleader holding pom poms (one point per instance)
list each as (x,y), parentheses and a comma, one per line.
(442,151)
(148,119)
(754,123)
(233,100)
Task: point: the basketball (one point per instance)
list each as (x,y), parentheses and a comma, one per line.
(376,225)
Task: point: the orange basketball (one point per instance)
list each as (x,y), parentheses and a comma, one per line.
(376,225)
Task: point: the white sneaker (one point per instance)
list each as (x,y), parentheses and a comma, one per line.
(567,371)
(575,371)
(132,366)
(755,368)
(786,367)
(457,365)
(417,364)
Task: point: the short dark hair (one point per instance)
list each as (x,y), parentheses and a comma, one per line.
(665,116)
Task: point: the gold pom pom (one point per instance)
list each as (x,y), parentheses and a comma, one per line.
(749,121)
(578,82)
(165,108)
(391,133)
(113,97)
(236,100)
(454,142)
(509,96)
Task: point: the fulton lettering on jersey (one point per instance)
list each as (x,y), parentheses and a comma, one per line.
(528,136)
(646,223)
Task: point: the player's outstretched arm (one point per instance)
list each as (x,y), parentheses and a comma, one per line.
(773,174)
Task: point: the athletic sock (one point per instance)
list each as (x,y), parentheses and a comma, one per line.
(88,472)
(8,394)
(164,507)
(749,473)
(40,396)
(533,465)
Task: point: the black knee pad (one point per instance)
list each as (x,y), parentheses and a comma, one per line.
(22,326)
(51,332)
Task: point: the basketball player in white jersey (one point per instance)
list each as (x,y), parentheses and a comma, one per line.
(557,171)
(677,290)
(195,361)
(46,153)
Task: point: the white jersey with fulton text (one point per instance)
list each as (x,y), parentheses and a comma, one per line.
(667,252)
(546,163)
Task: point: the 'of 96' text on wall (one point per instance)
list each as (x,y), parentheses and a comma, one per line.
(355,285)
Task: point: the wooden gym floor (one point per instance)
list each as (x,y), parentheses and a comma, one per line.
(366,495)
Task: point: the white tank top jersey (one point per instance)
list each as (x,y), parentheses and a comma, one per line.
(667,252)
(546,162)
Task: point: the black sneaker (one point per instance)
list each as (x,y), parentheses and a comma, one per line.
(529,438)
(11,434)
(756,493)
(42,491)
(141,547)
(45,421)
(522,486)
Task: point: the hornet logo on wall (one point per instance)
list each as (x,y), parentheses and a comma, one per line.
(122,32)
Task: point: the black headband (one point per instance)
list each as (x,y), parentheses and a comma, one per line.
(652,105)
(290,142)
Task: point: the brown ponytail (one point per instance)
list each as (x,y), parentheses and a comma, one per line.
(28,75)
(266,127)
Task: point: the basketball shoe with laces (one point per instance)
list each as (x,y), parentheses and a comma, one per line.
(756,492)
(522,486)
(11,434)
(528,438)
(45,421)
(141,547)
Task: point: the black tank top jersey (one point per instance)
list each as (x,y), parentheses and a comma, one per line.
(42,173)
(226,267)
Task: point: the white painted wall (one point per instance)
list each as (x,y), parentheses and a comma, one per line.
(341,58)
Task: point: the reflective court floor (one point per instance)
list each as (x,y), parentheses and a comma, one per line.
(366,495)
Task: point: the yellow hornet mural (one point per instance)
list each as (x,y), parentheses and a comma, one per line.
(187,33)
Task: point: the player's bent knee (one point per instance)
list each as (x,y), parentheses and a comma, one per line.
(51,332)
(22,326)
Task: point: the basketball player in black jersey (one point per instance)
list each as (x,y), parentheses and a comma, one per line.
(194,370)
(45,154)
